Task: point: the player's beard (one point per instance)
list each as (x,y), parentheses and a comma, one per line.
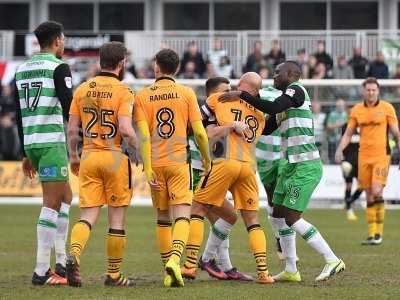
(121,74)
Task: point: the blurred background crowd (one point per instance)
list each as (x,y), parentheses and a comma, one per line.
(328,117)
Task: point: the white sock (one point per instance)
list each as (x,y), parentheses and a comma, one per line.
(62,233)
(287,239)
(311,235)
(46,235)
(275,225)
(223,258)
(218,233)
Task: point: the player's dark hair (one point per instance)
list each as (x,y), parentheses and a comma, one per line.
(47,32)
(111,54)
(213,83)
(168,61)
(370,80)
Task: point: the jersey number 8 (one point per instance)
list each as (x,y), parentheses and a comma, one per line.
(165,126)
(250,120)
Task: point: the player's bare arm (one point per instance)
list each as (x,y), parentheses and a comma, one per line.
(127,131)
(73,137)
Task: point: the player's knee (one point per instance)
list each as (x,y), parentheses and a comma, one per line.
(376,190)
(249,217)
(199,209)
(163,215)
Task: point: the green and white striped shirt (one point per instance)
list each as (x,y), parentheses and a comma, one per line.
(269,146)
(297,129)
(41,110)
(195,156)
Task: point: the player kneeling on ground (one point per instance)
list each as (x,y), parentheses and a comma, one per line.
(103,106)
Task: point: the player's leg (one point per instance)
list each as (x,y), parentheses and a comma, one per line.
(52,167)
(179,186)
(300,188)
(116,244)
(211,191)
(365,173)
(62,231)
(218,244)
(258,244)
(91,199)
(80,234)
(245,194)
(164,234)
(118,192)
(379,178)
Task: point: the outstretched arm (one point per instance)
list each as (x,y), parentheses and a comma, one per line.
(201,138)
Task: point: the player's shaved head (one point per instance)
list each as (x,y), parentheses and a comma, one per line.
(250,82)
(286,73)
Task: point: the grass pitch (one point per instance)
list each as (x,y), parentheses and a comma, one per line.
(372,272)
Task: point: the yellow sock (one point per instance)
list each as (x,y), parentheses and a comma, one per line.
(79,236)
(195,239)
(258,246)
(164,238)
(380,215)
(179,238)
(371,219)
(116,242)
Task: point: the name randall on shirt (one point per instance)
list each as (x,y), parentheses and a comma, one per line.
(166,96)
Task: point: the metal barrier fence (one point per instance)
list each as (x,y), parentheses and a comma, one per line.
(326,91)
(239,44)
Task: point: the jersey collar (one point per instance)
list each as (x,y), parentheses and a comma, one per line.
(108,74)
(165,78)
(376,104)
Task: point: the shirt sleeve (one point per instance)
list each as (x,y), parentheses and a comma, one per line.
(292,97)
(138,110)
(63,87)
(126,103)
(18,117)
(391,116)
(352,123)
(194,111)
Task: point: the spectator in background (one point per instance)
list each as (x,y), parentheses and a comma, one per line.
(192,54)
(210,71)
(397,72)
(264,72)
(225,68)
(319,125)
(255,60)
(323,57)
(130,65)
(342,70)
(190,71)
(215,54)
(9,141)
(378,68)
(320,72)
(302,60)
(359,64)
(336,119)
(275,55)
(312,64)
(92,71)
